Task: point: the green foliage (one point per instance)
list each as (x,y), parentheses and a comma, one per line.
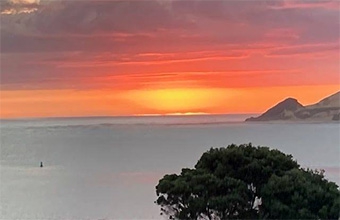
(302,194)
(226,181)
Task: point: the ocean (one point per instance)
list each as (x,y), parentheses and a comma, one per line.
(108,167)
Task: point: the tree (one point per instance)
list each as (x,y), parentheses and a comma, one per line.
(226,182)
(301,194)
(197,194)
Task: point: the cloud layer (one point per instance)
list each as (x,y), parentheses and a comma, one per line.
(131,45)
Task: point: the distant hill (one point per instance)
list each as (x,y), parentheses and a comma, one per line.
(328,109)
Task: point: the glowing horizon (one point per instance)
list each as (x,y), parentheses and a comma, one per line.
(165,57)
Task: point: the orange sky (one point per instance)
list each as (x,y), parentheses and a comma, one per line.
(81,58)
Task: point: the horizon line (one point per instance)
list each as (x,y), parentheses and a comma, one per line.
(125,116)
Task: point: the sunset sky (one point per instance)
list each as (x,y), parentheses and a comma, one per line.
(82,58)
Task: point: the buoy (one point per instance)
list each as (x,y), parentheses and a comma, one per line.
(41,164)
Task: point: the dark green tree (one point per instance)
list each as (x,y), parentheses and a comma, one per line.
(197,194)
(226,182)
(300,194)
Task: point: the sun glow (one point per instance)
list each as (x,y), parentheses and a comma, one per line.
(175,114)
(179,100)
(152,101)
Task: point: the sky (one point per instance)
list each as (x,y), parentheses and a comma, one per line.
(96,58)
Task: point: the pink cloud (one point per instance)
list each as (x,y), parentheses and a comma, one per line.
(69,43)
(327,4)
(306,50)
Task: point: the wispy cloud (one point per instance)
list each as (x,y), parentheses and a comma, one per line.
(125,45)
(308,50)
(12,7)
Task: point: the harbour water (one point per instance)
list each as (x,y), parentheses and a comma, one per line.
(108,167)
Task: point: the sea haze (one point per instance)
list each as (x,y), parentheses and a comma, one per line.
(107,168)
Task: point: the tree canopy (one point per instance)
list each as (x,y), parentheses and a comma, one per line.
(240,182)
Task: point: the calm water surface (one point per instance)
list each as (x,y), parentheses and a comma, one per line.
(107,168)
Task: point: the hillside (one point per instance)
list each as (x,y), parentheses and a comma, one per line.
(328,109)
